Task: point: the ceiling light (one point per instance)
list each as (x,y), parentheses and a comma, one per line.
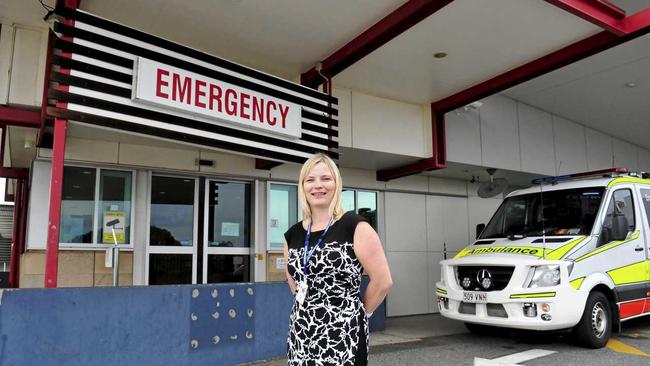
(630,85)
(440,55)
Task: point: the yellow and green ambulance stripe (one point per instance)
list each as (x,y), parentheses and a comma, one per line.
(504,249)
(532,296)
(560,252)
(633,273)
(609,246)
(577,283)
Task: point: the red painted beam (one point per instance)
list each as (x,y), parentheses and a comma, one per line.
(565,56)
(23,117)
(635,26)
(394,24)
(599,12)
(14,173)
(56,191)
(14,254)
(46,87)
(637,21)
(264,164)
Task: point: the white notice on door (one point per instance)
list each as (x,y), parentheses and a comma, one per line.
(279,263)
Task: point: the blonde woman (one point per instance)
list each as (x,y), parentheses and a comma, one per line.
(326,254)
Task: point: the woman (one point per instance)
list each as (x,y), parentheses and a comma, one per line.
(325,255)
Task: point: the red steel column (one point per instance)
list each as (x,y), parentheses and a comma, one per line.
(15,254)
(56,188)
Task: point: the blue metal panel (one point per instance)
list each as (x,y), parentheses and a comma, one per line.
(221,315)
(145,325)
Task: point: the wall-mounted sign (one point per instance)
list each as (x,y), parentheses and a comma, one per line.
(124,79)
(107,238)
(179,89)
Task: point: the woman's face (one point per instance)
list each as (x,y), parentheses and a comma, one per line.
(319,186)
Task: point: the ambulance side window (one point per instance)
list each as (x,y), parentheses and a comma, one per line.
(619,219)
(645,198)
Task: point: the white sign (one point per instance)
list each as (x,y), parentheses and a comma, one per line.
(187,91)
(279,263)
(229,229)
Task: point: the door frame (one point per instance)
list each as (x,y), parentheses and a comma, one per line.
(149,249)
(246,251)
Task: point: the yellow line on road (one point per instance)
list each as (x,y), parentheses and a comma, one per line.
(620,347)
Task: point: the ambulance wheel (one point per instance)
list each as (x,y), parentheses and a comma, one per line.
(595,326)
(479,329)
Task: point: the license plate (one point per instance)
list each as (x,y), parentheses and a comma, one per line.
(475,297)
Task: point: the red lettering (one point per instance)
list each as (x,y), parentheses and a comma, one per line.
(270,119)
(198,93)
(231,102)
(244,107)
(183,91)
(215,95)
(258,109)
(283,113)
(160,83)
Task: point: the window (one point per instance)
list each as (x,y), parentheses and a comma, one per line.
(283,212)
(172,212)
(563,212)
(621,206)
(228,214)
(347,200)
(362,202)
(91,199)
(645,197)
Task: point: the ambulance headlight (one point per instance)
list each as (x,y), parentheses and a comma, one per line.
(544,276)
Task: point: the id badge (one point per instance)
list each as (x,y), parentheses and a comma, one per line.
(301,292)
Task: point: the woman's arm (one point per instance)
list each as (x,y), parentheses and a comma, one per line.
(292,284)
(370,253)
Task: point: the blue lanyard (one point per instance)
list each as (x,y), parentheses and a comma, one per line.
(306,256)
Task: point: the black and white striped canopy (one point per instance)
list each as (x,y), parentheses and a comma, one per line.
(101,56)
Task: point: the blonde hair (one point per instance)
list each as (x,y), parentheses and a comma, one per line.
(335,209)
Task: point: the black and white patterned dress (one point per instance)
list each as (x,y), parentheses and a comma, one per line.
(330,327)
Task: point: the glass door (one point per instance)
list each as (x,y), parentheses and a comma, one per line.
(173,217)
(227,232)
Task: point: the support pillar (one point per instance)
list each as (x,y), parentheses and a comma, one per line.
(56,188)
(15,244)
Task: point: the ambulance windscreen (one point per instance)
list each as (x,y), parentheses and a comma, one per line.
(563,212)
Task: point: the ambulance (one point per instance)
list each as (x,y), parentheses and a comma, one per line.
(570,252)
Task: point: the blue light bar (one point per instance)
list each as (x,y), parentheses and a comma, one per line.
(559,178)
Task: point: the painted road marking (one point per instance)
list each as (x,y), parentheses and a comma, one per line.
(513,359)
(620,347)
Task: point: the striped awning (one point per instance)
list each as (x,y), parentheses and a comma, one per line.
(102,59)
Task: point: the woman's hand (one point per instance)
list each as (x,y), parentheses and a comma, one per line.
(370,253)
(292,283)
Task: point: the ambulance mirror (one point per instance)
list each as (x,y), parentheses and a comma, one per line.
(479,229)
(619,228)
(605,236)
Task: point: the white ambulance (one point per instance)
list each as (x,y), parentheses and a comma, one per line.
(570,252)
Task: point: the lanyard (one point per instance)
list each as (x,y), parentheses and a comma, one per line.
(306,256)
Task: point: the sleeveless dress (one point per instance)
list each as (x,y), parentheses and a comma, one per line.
(330,327)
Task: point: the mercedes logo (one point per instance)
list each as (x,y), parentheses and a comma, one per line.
(484,278)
